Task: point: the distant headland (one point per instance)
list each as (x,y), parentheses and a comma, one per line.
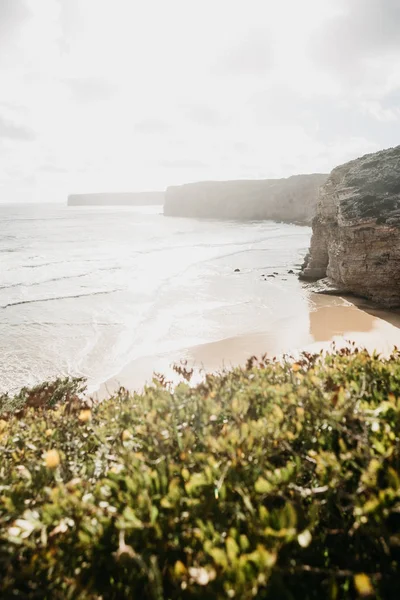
(117,199)
(292,200)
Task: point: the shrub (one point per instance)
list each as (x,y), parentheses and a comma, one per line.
(46,395)
(271,481)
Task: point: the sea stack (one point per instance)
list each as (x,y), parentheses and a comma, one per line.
(355,245)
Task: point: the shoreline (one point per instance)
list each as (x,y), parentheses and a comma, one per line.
(332,320)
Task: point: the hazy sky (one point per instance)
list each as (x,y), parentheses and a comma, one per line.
(101,95)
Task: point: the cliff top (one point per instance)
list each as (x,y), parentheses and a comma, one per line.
(261,182)
(368,188)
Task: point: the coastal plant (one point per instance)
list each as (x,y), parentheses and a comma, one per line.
(68,390)
(276,480)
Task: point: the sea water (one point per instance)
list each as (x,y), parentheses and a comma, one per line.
(86,290)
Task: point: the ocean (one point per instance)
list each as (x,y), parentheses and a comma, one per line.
(86,290)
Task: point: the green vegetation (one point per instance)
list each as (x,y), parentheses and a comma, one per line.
(273,481)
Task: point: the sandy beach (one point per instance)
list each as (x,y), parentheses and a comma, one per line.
(331,320)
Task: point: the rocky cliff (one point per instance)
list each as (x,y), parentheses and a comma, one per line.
(292,199)
(355,244)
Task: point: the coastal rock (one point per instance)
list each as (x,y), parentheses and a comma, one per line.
(327,286)
(291,200)
(356,231)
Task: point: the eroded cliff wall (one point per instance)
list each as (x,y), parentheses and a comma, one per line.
(293,199)
(356,232)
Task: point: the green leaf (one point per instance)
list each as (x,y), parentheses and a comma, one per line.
(262,486)
(219,556)
(232,549)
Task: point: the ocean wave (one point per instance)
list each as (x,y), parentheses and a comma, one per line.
(53,279)
(59,262)
(59,298)
(26,324)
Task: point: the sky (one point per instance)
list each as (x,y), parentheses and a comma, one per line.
(131,95)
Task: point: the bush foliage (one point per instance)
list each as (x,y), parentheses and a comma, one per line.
(277,480)
(46,395)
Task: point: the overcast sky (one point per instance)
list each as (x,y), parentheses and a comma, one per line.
(125,95)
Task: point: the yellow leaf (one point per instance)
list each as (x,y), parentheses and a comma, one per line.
(52,459)
(126,435)
(278,412)
(267,558)
(363,585)
(85,415)
(179,569)
(263,557)
(166,503)
(185,474)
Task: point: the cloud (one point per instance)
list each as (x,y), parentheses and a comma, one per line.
(330,120)
(184,163)
(90,89)
(252,55)
(391,101)
(150,126)
(12,131)
(205,116)
(12,14)
(138,95)
(51,169)
(354,42)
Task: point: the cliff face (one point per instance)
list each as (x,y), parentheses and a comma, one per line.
(356,232)
(117,199)
(293,199)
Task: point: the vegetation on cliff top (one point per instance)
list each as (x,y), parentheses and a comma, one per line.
(271,481)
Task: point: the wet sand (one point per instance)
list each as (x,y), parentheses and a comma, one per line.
(330,319)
